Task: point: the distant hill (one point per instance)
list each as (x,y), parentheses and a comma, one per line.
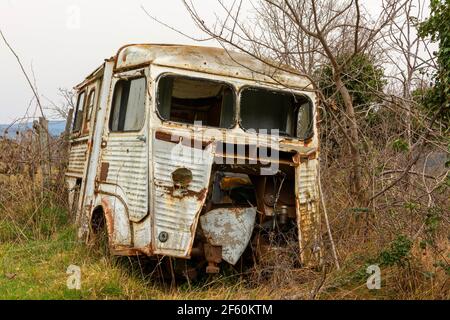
(54,127)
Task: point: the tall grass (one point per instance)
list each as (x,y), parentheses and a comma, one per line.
(403,234)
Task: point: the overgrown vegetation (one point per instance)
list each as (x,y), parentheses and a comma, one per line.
(399,140)
(38,243)
(438,28)
(362,77)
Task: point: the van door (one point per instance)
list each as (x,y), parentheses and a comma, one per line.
(83,124)
(124,157)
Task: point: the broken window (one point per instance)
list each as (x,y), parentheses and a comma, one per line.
(79,112)
(128,107)
(189,100)
(269,110)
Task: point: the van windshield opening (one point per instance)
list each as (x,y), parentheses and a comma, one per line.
(192,100)
(266,110)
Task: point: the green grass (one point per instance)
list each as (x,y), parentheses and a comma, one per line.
(36,269)
(37,246)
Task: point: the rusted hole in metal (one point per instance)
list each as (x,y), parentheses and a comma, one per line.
(182,177)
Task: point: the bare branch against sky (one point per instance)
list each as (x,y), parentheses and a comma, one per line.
(65,40)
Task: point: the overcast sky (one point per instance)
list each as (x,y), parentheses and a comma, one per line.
(65,40)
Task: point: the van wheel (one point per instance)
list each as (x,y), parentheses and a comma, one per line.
(99,234)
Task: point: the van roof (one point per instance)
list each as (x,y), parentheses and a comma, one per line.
(210,60)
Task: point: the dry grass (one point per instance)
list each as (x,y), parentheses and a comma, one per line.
(401,232)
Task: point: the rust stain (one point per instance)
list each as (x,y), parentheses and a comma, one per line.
(104,171)
(126,251)
(188,142)
(109,218)
(218,62)
(296,159)
(164,136)
(302,158)
(307,142)
(179,193)
(213,253)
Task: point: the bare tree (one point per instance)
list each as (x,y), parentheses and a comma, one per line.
(302,34)
(61,110)
(410,57)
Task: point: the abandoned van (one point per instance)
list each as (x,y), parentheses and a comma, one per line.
(196,153)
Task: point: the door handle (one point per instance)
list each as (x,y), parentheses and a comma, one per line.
(142,138)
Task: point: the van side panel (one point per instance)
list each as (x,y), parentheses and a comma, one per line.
(176,211)
(127,169)
(308,216)
(77,158)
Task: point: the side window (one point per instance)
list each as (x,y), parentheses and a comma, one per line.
(128,106)
(79,112)
(90,105)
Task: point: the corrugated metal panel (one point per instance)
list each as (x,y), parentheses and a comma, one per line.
(308,220)
(142,233)
(127,158)
(307,181)
(175,212)
(77,158)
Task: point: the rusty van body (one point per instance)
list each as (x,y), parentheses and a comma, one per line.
(188,151)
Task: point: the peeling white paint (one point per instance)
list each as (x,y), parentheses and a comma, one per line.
(229,228)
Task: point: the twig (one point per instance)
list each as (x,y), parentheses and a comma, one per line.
(409,172)
(333,247)
(24,72)
(420,145)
